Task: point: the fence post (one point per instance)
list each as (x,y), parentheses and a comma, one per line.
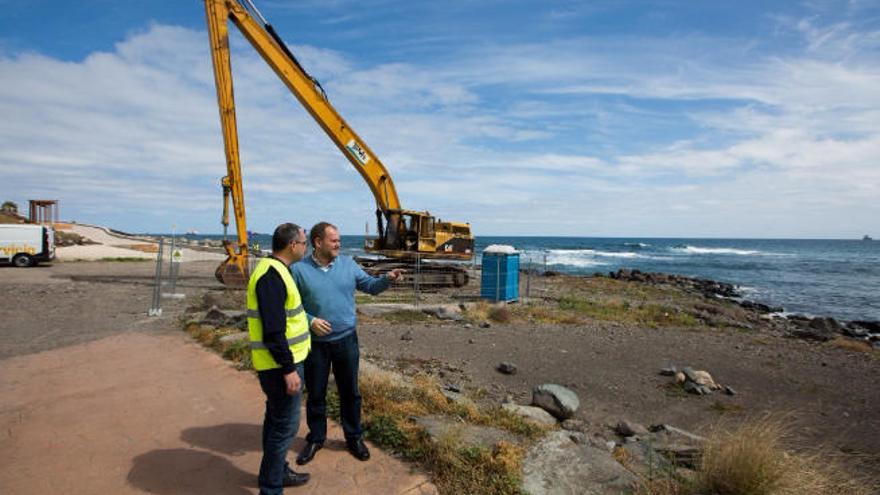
(417,281)
(529,278)
(155,310)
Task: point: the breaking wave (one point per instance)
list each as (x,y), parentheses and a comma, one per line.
(706,250)
(592,252)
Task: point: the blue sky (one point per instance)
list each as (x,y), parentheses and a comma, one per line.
(617,118)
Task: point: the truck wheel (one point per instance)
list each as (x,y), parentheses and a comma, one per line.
(22,260)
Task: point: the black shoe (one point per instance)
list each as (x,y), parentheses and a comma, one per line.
(308,452)
(292,478)
(358,448)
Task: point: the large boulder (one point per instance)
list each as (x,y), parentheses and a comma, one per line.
(535,414)
(556,399)
(225,317)
(441,427)
(821,329)
(564,463)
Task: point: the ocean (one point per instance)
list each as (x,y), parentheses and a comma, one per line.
(838,278)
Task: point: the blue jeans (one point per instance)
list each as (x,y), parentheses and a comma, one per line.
(343,355)
(279,428)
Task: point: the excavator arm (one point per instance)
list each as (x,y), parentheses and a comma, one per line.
(405,233)
(278,57)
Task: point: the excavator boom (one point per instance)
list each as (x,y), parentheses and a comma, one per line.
(402,233)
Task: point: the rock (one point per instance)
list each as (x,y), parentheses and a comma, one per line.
(678,454)
(373,310)
(214,317)
(870,326)
(573,424)
(407,335)
(856,331)
(680,378)
(556,399)
(453,387)
(558,465)
(453,396)
(760,308)
(820,329)
(225,299)
(626,428)
(705,379)
(729,391)
(444,312)
(535,414)
(507,368)
(485,324)
(829,325)
(235,337)
(668,371)
(673,432)
(225,317)
(694,388)
(440,427)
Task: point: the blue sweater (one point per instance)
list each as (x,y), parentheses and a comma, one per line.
(330,295)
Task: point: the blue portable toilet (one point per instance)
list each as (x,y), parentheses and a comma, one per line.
(500,277)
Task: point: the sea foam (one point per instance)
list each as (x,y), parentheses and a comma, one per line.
(707,250)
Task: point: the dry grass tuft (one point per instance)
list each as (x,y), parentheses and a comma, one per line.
(479,311)
(751,460)
(726,407)
(852,345)
(500,314)
(238,352)
(389,403)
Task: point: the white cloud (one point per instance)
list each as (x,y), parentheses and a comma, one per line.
(520,139)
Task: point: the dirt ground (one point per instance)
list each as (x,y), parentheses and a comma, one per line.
(828,394)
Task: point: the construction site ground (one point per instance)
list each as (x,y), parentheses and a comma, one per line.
(98,397)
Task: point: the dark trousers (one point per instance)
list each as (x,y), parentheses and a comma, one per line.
(279,428)
(343,356)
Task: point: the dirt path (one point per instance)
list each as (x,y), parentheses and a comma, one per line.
(95,397)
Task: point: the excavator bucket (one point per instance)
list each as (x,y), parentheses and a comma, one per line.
(233,272)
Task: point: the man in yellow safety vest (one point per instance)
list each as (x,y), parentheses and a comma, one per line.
(280,342)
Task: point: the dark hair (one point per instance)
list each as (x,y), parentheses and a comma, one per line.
(284,234)
(317,231)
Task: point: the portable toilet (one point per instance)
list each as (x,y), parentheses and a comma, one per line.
(500,277)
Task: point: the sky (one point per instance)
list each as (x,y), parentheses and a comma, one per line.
(612,118)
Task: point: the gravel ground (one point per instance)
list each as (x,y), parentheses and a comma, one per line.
(828,394)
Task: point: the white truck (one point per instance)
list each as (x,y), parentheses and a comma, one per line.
(25,244)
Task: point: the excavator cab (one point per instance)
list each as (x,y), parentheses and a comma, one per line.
(407,234)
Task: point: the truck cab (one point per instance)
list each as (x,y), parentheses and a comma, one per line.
(26,245)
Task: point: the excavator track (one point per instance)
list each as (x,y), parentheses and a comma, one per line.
(428,275)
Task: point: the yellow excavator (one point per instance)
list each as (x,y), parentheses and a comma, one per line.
(404,236)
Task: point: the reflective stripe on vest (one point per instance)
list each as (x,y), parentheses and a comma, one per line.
(297,325)
(255,313)
(295,340)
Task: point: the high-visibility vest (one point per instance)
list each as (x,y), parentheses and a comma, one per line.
(297,330)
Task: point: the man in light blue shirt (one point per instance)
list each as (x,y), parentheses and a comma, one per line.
(327,284)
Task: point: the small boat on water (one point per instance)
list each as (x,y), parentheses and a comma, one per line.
(867,238)
(192,232)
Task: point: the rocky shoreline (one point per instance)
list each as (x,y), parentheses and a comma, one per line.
(819,328)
